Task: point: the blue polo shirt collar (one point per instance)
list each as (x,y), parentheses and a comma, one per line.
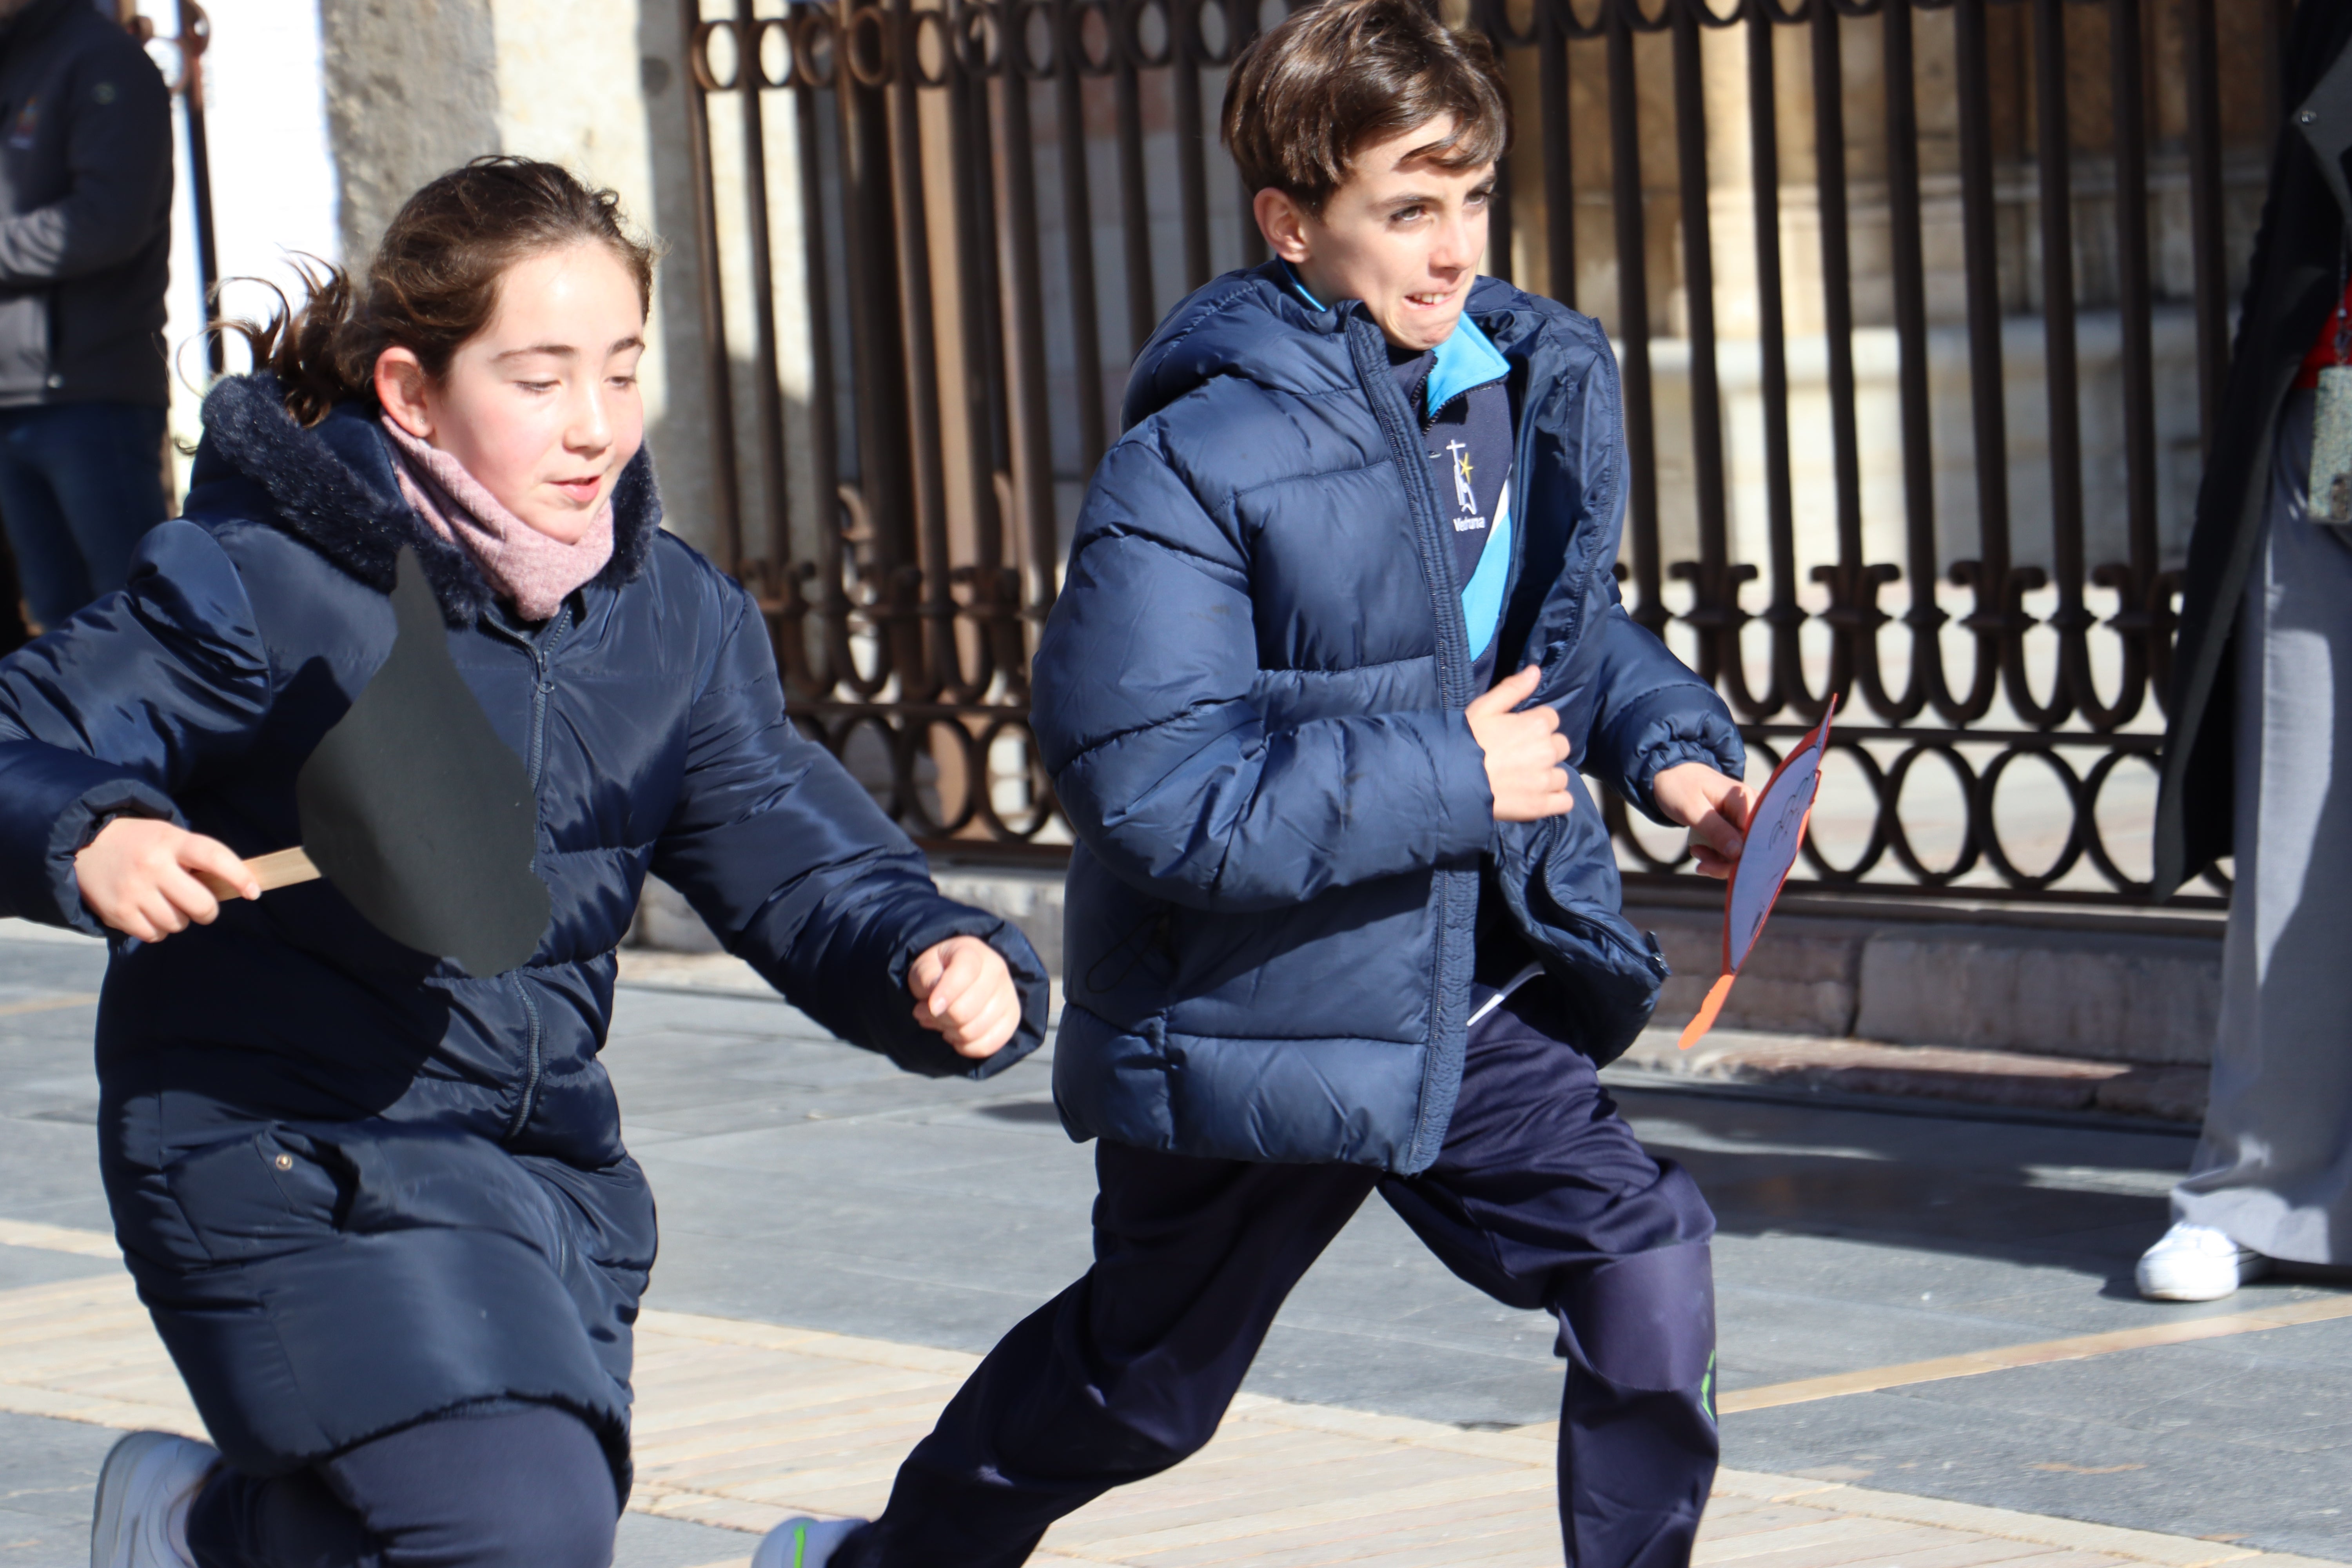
(1466,359)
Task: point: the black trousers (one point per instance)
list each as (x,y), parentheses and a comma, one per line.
(1541,1197)
(522,1485)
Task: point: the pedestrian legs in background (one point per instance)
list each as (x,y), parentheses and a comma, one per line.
(80,483)
(2272,1175)
(514,1486)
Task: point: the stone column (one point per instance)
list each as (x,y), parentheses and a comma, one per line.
(411,89)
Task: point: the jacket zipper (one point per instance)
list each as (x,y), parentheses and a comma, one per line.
(532,1067)
(541,649)
(1406,446)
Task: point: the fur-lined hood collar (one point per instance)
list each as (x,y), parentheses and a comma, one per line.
(331,487)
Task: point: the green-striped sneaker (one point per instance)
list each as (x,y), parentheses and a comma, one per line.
(804,1542)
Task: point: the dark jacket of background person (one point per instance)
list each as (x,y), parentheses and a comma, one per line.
(85,210)
(356,1186)
(2293,285)
(1250,694)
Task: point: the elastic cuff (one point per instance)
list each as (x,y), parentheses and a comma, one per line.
(82,821)
(1020,957)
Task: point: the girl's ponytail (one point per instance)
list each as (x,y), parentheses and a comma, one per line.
(434,281)
(318,351)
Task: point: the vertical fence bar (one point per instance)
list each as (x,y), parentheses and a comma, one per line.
(1134,201)
(1854,615)
(1077,221)
(996,585)
(768,387)
(1989,575)
(1786,680)
(876,350)
(1559,172)
(1715,613)
(725,494)
(1033,472)
(2054,156)
(1633,320)
(1242,23)
(834,665)
(938,663)
(2202,74)
(2136,621)
(1191,141)
(1500,262)
(195,35)
(1907,252)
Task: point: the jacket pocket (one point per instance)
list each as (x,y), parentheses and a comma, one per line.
(1607,973)
(257,1196)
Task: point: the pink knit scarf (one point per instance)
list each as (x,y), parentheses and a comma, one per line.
(523,565)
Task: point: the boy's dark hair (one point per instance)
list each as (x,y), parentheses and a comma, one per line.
(433,282)
(1304,98)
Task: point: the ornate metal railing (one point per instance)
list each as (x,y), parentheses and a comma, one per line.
(933,233)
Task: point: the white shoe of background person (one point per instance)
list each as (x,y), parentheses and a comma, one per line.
(143,1492)
(2196,1263)
(804,1542)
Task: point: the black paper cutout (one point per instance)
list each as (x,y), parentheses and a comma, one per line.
(415,810)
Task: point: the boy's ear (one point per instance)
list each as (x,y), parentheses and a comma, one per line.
(1283,223)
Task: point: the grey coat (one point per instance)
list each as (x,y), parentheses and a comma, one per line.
(85,211)
(2292,283)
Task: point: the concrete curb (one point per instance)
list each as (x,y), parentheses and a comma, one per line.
(1932,1005)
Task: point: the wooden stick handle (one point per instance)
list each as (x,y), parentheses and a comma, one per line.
(282,869)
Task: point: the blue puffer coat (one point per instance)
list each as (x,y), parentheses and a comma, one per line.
(355,1185)
(1250,696)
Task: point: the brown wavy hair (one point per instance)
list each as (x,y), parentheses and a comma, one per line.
(1304,98)
(433,282)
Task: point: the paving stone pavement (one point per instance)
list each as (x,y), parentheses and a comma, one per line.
(839,1242)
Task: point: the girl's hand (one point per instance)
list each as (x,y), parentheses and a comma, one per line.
(1713,807)
(963,990)
(139,877)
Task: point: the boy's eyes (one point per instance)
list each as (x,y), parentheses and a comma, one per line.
(1415,212)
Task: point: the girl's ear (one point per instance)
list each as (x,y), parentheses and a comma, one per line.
(1284,224)
(401,385)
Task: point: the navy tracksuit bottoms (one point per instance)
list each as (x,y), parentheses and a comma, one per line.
(1541,1197)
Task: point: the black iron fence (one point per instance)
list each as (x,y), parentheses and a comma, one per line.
(1922,307)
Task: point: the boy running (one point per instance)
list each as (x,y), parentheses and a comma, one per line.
(1341,918)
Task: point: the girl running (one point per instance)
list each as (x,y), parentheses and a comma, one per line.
(380,1207)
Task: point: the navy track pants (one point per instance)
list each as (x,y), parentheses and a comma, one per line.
(1541,1197)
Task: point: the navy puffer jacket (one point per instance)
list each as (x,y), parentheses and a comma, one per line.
(355,1185)
(1251,693)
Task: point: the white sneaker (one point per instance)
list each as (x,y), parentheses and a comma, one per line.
(2196,1263)
(143,1492)
(804,1542)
